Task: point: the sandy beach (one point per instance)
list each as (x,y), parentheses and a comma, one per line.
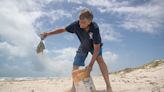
(147,78)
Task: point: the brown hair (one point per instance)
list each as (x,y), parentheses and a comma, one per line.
(86,13)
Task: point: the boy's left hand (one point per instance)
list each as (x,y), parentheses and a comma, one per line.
(88,69)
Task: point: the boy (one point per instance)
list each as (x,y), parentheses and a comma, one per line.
(88,33)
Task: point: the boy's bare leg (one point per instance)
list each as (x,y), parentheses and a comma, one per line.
(73,87)
(104,71)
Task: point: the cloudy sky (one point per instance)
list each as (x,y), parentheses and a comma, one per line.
(132,32)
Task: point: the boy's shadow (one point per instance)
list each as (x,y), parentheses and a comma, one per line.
(100,91)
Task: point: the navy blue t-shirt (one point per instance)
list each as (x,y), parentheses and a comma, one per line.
(87,39)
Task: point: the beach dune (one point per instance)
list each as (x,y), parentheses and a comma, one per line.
(146,78)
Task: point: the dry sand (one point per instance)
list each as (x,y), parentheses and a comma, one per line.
(148,79)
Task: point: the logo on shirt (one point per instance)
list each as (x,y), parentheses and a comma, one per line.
(90,35)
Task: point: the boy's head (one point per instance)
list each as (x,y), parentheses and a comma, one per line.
(85,18)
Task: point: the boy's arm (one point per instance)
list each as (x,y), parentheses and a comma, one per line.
(94,56)
(56,31)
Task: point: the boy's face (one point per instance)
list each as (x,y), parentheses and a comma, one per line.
(84,22)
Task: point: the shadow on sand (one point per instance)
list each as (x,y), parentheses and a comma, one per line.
(100,91)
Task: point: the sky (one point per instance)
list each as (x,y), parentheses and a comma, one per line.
(132,32)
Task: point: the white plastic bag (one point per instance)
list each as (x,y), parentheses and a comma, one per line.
(83,81)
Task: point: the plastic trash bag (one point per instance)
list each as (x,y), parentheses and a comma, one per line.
(83,81)
(40,47)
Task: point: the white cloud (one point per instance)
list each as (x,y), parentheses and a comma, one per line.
(141,25)
(101,3)
(59,61)
(110,57)
(57,14)
(45,2)
(62,60)
(143,18)
(108,33)
(18,37)
(69,37)
(7,49)
(76,1)
(17,26)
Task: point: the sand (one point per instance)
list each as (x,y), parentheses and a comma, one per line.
(140,80)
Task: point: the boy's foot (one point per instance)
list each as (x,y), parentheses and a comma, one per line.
(109,89)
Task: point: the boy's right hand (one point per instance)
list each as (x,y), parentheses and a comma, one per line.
(43,35)
(88,69)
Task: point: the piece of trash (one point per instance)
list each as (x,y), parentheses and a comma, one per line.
(40,47)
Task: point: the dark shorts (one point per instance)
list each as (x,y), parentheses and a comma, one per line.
(81,56)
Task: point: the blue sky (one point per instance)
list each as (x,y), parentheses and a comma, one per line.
(132,33)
